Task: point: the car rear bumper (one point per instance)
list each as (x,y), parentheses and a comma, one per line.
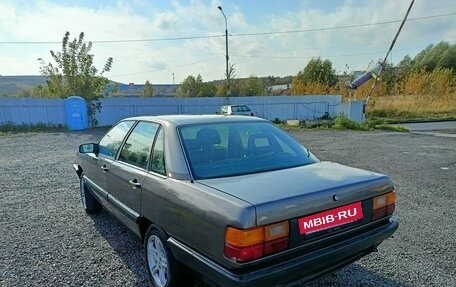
(300,269)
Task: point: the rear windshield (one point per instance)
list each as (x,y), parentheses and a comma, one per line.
(238,148)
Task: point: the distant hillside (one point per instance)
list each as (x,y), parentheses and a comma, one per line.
(10,85)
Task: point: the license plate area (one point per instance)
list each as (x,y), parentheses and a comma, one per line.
(330,218)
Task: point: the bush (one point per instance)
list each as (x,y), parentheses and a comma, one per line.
(344,123)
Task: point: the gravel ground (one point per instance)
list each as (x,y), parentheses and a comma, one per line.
(47,239)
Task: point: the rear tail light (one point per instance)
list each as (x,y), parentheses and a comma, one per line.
(383,205)
(244,245)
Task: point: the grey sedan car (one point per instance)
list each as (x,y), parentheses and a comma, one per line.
(234,199)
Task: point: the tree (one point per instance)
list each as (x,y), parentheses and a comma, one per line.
(388,77)
(148,90)
(35,92)
(207,90)
(252,87)
(442,55)
(405,67)
(221,90)
(24,92)
(188,87)
(195,87)
(318,71)
(74,73)
(235,84)
(317,77)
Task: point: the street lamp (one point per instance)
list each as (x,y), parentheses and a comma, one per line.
(227,57)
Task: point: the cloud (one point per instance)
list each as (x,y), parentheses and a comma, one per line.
(262,55)
(166,22)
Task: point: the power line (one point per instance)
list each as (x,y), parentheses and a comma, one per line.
(164,69)
(259,57)
(340,27)
(116,41)
(324,56)
(233,35)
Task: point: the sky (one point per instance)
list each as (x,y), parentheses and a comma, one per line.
(166,41)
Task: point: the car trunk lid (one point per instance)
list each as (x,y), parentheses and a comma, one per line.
(296,192)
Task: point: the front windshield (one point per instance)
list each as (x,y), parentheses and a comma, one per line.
(238,148)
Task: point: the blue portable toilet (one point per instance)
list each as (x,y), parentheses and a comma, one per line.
(76,114)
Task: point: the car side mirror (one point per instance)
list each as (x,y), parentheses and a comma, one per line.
(89,148)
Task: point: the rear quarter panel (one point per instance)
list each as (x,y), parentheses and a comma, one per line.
(194,214)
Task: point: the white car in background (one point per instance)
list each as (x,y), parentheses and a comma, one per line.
(242,110)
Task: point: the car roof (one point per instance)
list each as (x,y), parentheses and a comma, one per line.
(240,105)
(178,120)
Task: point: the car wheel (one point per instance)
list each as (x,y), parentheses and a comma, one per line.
(162,266)
(89,202)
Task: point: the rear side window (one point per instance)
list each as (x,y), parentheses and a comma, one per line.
(244,109)
(110,143)
(136,149)
(157,164)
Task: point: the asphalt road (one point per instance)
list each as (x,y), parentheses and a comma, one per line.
(445,128)
(46,239)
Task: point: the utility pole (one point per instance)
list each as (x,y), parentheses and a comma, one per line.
(228,92)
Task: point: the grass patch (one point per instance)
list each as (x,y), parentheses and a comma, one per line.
(344,123)
(412,108)
(10,128)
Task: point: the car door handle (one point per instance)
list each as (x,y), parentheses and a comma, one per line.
(134,183)
(104,168)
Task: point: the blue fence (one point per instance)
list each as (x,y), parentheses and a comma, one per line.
(354,110)
(51,112)
(32,111)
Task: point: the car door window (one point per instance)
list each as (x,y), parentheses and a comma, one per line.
(158,154)
(111,142)
(136,149)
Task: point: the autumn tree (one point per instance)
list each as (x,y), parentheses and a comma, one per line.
(36,92)
(74,73)
(148,90)
(405,67)
(189,86)
(252,86)
(235,88)
(317,77)
(195,87)
(234,84)
(319,71)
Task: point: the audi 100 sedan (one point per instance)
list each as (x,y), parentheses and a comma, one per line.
(233,198)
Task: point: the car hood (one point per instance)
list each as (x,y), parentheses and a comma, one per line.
(294,192)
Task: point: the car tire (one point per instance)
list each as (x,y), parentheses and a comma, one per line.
(89,202)
(163,268)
